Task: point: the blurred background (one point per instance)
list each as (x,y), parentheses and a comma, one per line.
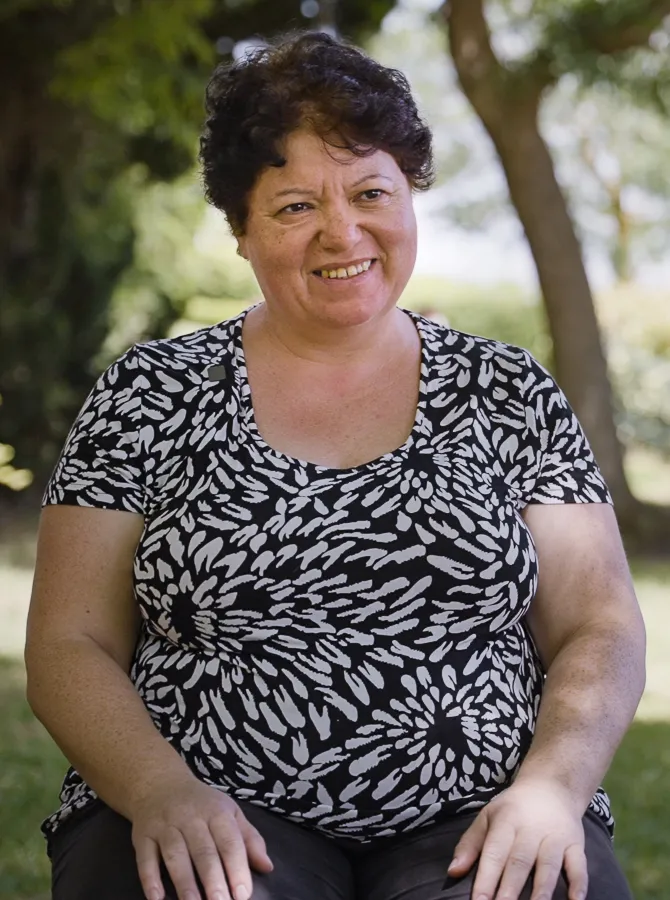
(548,227)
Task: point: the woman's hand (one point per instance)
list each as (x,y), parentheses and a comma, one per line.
(534,824)
(190,825)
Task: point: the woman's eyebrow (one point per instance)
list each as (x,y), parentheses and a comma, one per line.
(305,192)
(293,190)
(370,176)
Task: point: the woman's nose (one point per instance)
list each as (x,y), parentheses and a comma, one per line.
(340,229)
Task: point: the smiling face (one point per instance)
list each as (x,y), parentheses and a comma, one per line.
(325,215)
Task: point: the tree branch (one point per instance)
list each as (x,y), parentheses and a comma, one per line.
(486,81)
(470,41)
(608,34)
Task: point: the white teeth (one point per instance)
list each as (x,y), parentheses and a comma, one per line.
(346,273)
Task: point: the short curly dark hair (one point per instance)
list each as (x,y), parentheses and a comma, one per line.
(304,79)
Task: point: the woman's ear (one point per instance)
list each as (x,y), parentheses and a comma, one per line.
(242,247)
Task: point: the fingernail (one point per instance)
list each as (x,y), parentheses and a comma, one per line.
(454,864)
(241,893)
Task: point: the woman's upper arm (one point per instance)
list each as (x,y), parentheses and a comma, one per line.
(584,580)
(83,581)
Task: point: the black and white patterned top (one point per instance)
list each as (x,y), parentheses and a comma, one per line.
(346,647)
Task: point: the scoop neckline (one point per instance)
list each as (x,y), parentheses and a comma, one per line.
(249,417)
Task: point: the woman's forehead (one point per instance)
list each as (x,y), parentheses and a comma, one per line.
(311,161)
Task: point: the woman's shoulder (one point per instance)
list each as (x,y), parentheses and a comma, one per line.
(154,377)
(449,347)
(193,351)
(169,365)
(506,378)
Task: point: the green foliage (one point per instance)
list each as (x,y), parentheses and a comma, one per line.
(142,69)
(70,159)
(637,329)
(622,42)
(642,381)
(10,477)
(54,314)
(11,8)
(593,25)
(183,254)
(14,479)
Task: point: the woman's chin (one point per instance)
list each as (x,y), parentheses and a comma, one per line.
(351,310)
(353,318)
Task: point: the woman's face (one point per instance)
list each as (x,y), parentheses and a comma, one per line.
(330,213)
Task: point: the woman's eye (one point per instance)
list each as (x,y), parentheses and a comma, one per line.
(294,208)
(372,194)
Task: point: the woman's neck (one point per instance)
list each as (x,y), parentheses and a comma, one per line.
(362,346)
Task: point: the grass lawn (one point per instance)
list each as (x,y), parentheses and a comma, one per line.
(31,767)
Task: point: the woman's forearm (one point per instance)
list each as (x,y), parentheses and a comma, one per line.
(590,695)
(93,712)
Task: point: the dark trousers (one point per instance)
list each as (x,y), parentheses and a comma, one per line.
(93,859)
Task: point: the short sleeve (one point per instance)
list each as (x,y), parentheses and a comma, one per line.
(565,467)
(101,464)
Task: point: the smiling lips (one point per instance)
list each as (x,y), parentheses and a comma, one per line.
(344,273)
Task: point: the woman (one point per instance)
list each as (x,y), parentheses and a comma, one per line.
(287,621)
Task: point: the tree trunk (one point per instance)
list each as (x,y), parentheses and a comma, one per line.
(508,108)
(327,18)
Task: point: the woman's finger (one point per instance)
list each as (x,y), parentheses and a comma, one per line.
(233,852)
(148,860)
(470,845)
(547,869)
(493,859)
(254,842)
(576,871)
(516,870)
(177,861)
(206,860)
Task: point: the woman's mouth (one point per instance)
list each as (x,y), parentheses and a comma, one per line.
(345,273)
